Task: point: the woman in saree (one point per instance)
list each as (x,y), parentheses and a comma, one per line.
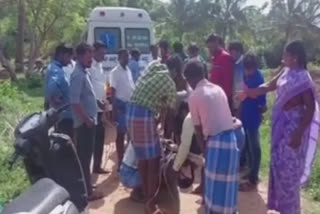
(295,126)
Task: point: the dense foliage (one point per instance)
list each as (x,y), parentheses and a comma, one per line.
(16,100)
(265,30)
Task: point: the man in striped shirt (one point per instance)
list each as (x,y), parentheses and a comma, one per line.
(154,95)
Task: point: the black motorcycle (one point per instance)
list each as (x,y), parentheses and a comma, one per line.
(44,197)
(51,155)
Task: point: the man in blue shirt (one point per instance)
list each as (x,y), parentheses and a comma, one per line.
(134,64)
(251,115)
(57,88)
(85,109)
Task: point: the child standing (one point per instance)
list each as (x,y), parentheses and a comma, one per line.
(251,116)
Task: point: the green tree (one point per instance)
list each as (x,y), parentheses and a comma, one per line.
(180,17)
(20,36)
(43,16)
(295,17)
(8,32)
(230,17)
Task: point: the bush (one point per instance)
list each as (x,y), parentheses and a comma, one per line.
(34,81)
(16,100)
(314,182)
(7,91)
(12,182)
(273,54)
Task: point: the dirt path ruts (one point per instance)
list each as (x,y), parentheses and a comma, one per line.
(116,200)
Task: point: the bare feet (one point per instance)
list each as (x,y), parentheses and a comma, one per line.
(248,187)
(137,195)
(273,212)
(96,195)
(198,190)
(200,202)
(152,208)
(101,171)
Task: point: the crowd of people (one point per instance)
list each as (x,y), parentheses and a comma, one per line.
(213,109)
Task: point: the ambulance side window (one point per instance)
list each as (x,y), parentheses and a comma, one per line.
(138,38)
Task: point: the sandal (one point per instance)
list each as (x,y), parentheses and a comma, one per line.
(247,187)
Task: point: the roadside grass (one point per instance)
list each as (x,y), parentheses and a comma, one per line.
(16,100)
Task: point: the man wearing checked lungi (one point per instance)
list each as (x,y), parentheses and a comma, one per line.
(155,94)
(213,123)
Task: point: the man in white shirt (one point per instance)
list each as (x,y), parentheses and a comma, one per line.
(122,87)
(99,79)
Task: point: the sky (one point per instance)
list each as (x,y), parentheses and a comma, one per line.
(250,2)
(257,2)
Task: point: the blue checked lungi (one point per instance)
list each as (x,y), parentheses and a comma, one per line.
(221,174)
(143,133)
(129,173)
(129,176)
(121,108)
(240,136)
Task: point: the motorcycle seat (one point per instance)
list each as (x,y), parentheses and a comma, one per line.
(41,198)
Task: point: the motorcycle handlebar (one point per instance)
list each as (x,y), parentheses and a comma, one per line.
(62,108)
(53,114)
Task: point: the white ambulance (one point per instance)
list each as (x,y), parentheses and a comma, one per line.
(120,27)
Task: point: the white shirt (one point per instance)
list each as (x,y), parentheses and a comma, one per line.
(186,141)
(121,80)
(99,80)
(184,94)
(209,108)
(239,60)
(69,69)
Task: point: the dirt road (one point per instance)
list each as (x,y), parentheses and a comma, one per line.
(116,200)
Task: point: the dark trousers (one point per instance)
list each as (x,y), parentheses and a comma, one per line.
(65,126)
(251,154)
(99,143)
(85,138)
